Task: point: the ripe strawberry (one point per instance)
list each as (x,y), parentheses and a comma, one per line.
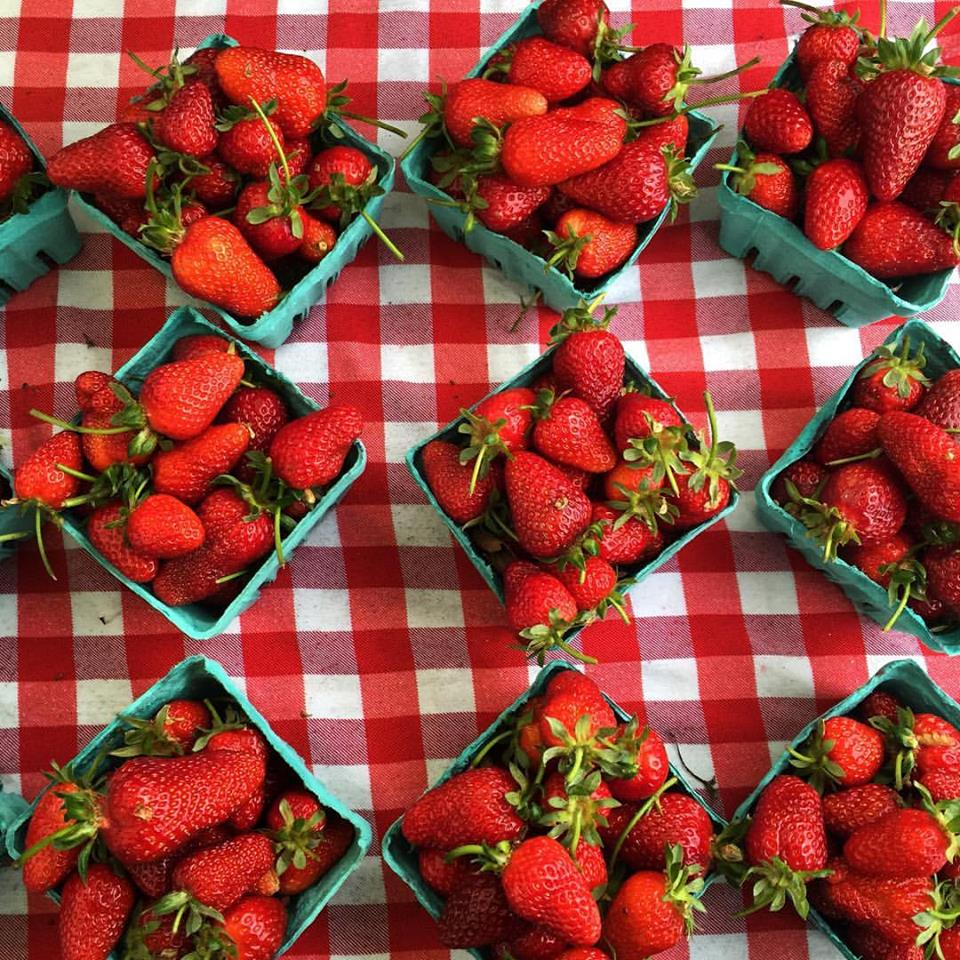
(537,598)
(498,424)
(927,457)
(440,874)
(639,416)
(567,430)
(831,36)
(449,480)
(548,510)
(186,471)
(333,843)
(947,137)
(556,71)
(38,479)
(583,953)
(805,475)
(496,103)
(836,200)
(309,451)
(502,205)
(198,344)
(629,543)
(892,381)
(541,151)
(652,911)
(106,532)
(873,558)
(778,122)
(577,24)
(870,945)
(925,189)
(832,95)
(297,825)
(319,238)
(600,110)
(537,943)
(942,784)
(848,810)
(594,588)
(173,731)
(902,844)
(114,161)
(188,124)
(841,751)
(103,450)
(477,914)
(650,757)
(214,262)
(262,410)
(269,219)
(941,403)
(246,143)
(880,704)
(469,808)
(151,936)
(765,179)
(564,707)
(93,913)
(162,526)
(216,188)
(16,161)
(635,186)
(590,245)
(851,433)
(358,176)
(87,385)
(254,928)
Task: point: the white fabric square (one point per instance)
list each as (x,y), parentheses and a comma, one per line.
(742,427)
(303,362)
(408,363)
(403,63)
(418,525)
(782,676)
(322,609)
(333,696)
(9,705)
(90,289)
(719,278)
(767,592)
(349,781)
(71,359)
(833,346)
(92,69)
(434,608)
(404,283)
(445,691)
(660,595)
(670,679)
(400,435)
(728,351)
(99,701)
(96,613)
(506,360)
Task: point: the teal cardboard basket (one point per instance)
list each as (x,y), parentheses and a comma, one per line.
(12,521)
(196,620)
(197,678)
(633,372)
(274,327)
(907,681)
(834,283)
(868,597)
(518,263)
(32,242)
(402,857)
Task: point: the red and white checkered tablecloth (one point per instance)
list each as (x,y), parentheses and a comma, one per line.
(379,652)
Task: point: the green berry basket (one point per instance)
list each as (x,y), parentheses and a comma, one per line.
(402,857)
(835,284)
(518,263)
(196,620)
(634,373)
(907,681)
(32,242)
(868,597)
(198,678)
(274,327)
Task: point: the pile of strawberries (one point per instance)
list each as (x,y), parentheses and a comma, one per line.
(881,488)
(575,838)
(572,484)
(563,146)
(866,832)
(192,844)
(861,145)
(192,483)
(227,165)
(18,181)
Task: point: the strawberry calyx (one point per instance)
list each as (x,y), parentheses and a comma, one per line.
(148,737)
(298,838)
(911,53)
(187,911)
(236,113)
(135,940)
(337,100)
(646,503)
(899,369)
(487,857)
(662,449)
(824,18)
(815,763)
(25,190)
(908,581)
(566,250)
(485,444)
(350,198)
(524,798)
(164,229)
(586,545)
(728,855)
(230,720)
(577,814)
(776,883)
(679,180)
(824,523)
(746,170)
(586,749)
(902,742)
(170,78)
(431,121)
(608,44)
(581,319)
(712,464)
(947,815)
(948,218)
(941,915)
(544,637)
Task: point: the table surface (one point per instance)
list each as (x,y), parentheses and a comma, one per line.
(379,653)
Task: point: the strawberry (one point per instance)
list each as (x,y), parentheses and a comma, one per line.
(93,913)
(943,575)
(778,122)
(765,179)
(309,451)
(630,542)
(548,510)
(600,110)
(477,914)
(925,189)
(836,200)
(216,188)
(841,751)
(39,480)
(248,143)
(871,945)
(498,424)
(538,599)
(229,520)
(652,911)
(471,807)
(254,928)
(16,162)
(262,410)
(115,161)
(162,526)
(346,179)
(198,344)
(186,471)
(639,416)
(627,478)
(927,457)
(319,238)
(214,262)
(831,36)
(567,430)
(173,731)
(566,706)
(188,124)
(497,103)
(577,24)
(832,95)
(449,480)
(807,478)
(590,862)
(942,784)
(946,140)
(900,110)
(336,839)
(270,217)
(851,433)
(892,380)
(650,757)
(151,936)
(556,71)
(941,403)
(583,953)
(87,385)
(880,704)
(874,558)
(501,205)
(589,245)
(441,874)
(103,450)
(593,588)
(299,156)
(297,825)
(902,844)
(538,943)
(540,151)
(156,804)
(576,813)
(106,532)
(847,810)
(635,186)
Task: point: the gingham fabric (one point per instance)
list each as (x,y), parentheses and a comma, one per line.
(379,653)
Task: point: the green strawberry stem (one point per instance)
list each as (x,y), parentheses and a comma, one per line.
(38,530)
(381,236)
(231,576)
(869,455)
(727,98)
(14,536)
(382,124)
(616,601)
(277,537)
(742,68)
(424,130)
(70,472)
(76,428)
(645,808)
(905,596)
(883,18)
(273,136)
(576,654)
(937,28)
(488,746)
(525,307)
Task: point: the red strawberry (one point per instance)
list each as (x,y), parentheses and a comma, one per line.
(333,843)
(942,784)
(346,176)
(214,262)
(477,914)
(469,808)
(593,588)
(943,578)
(198,344)
(892,380)
(538,598)
(635,186)
(851,433)
(503,205)
(808,478)
(600,110)
(153,936)
(925,189)
(162,526)
(548,510)
(38,478)
(556,71)
(587,244)
(836,200)
(846,811)
(565,706)
(652,768)
(498,424)
(106,532)
(187,124)
(309,451)
(927,457)
(172,731)
(842,751)
(592,865)
(947,138)
(246,144)
(902,844)
(677,819)
(765,179)
(449,480)
(297,823)
(496,103)
(577,24)
(255,928)
(87,385)
(567,430)
(16,160)
(261,409)
(217,188)
(629,543)
(941,403)
(672,133)
(186,471)
(319,238)
(873,558)
(639,416)
(583,953)
(113,161)
(880,704)
(299,156)
(832,102)
(103,450)
(778,122)
(871,945)
(93,913)
(831,36)
(441,874)
(268,219)
(538,943)
(589,361)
